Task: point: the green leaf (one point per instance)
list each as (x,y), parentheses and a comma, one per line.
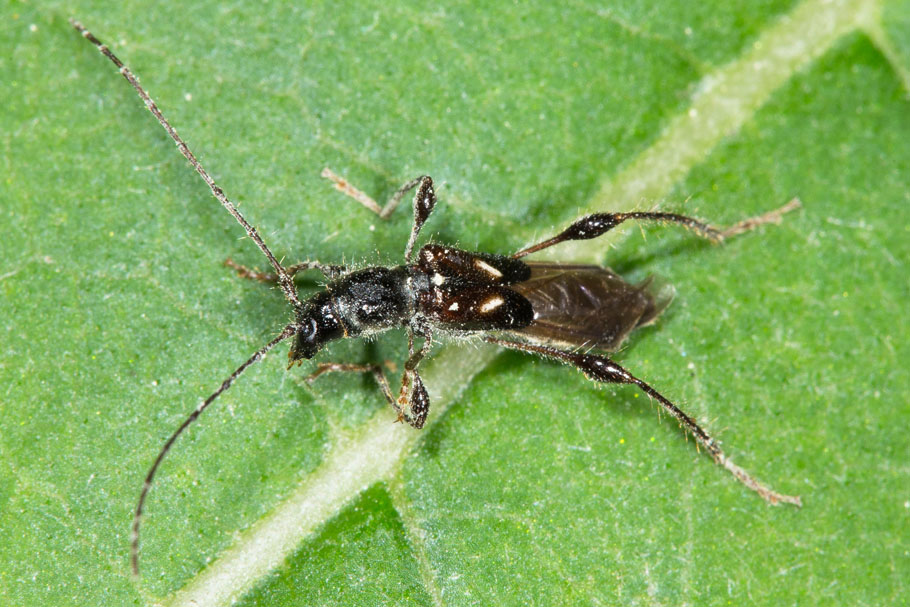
(530,485)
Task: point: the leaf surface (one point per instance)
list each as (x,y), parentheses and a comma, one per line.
(530,485)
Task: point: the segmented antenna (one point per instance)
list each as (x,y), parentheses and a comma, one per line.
(284,280)
(288,331)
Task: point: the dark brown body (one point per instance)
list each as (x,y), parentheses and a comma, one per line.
(462,292)
(537,308)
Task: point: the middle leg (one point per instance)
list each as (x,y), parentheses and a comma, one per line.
(413,400)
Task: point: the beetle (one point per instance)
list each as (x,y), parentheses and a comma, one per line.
(571,313)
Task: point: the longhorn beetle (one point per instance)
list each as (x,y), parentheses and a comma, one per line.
(558,311)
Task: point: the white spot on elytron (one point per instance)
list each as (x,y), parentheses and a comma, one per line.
(188,96)
(491,304)
(485,267)
(453,307)
(438,279)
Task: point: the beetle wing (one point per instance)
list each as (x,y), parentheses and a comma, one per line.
(587,306)
(479,309)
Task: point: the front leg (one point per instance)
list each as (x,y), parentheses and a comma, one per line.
(375,370)
(329,271)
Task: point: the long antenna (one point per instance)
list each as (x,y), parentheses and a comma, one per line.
(288,331)
(284,281)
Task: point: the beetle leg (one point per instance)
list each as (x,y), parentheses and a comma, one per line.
(602,369)
(598,224)
(413,401)
(329,271)
(376,371)
(424,201)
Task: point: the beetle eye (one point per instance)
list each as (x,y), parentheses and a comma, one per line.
(307,343)
(309,329)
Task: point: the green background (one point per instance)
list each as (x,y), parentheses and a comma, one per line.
(534,487)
